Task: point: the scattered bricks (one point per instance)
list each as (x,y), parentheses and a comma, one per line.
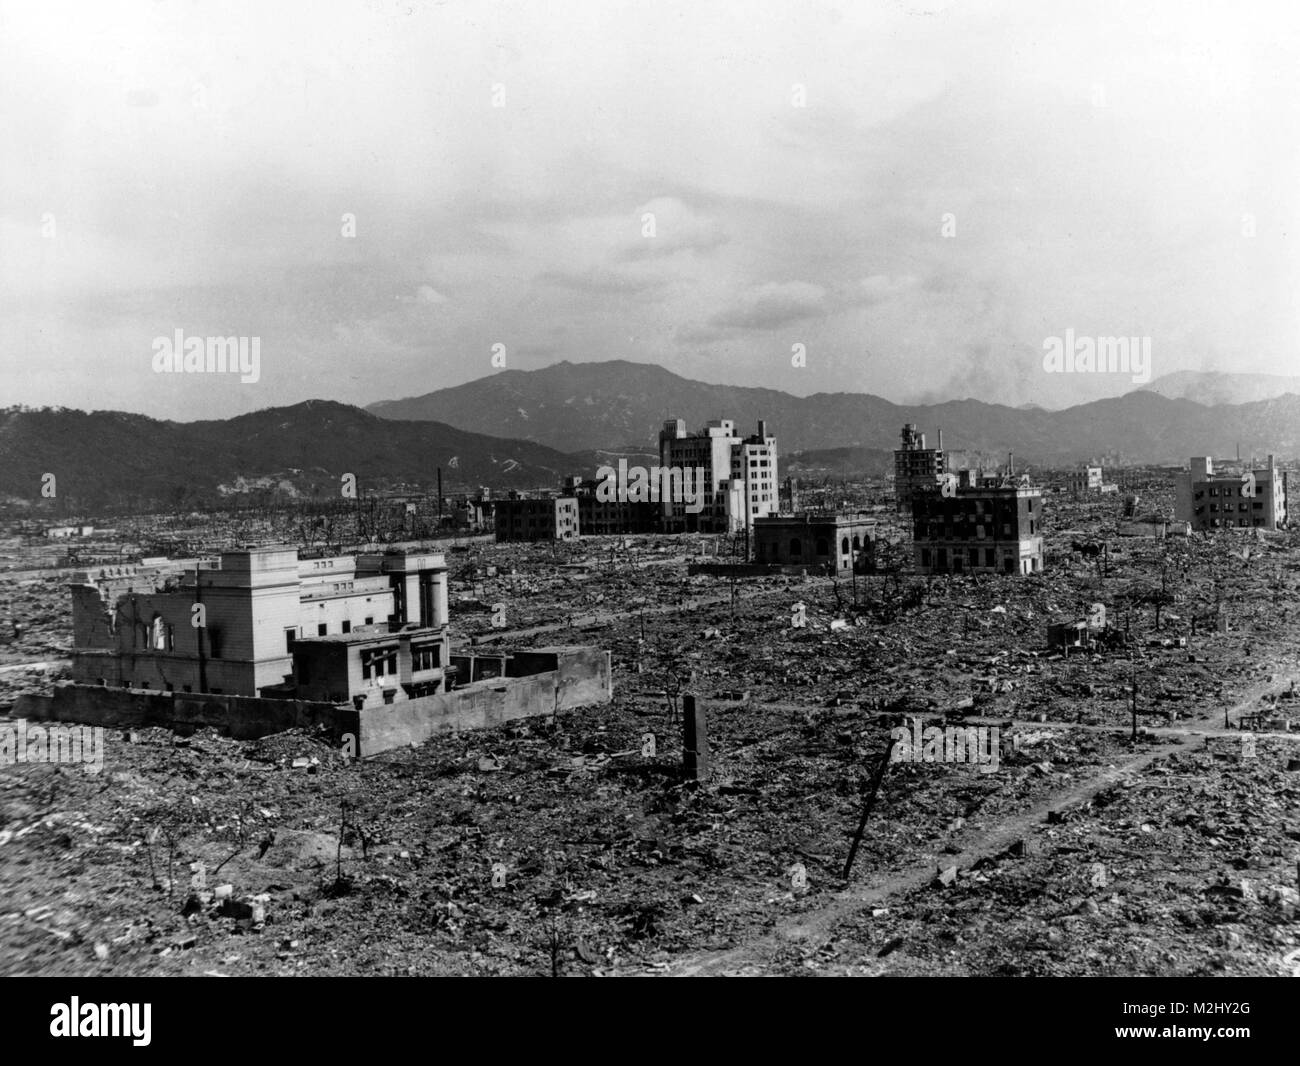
(223,892)
(185,941)
(947,876)
(301,763)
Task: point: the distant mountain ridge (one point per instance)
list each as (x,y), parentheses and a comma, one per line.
(620,404)
(107,458)
(1212,387)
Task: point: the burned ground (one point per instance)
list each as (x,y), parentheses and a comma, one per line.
(1086,852)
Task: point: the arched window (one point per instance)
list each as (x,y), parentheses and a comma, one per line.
(844,546)
(857,542)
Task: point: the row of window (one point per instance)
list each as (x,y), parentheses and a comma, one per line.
(322,630)
(1238,491)
(1227,507)
(934,531)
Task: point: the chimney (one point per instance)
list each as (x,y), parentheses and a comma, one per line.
(1011,463)
(940,438)
(762,429)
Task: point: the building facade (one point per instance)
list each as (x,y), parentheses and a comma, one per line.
(916,467)
(978,525)
(1254,499)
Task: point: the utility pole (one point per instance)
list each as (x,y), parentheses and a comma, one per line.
(198,632)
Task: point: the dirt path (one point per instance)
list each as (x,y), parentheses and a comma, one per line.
(807,929)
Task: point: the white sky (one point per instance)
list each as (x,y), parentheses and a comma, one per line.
(197,159)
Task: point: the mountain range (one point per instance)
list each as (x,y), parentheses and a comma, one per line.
(622,404)
(110,458)
(527,429)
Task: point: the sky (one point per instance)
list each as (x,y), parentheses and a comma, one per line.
(904,197)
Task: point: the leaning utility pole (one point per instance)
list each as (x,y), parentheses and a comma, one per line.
(871,802)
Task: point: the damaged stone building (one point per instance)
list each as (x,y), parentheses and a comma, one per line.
(975,524)
(916,467)
(231,625)
(1249,499)
(821,540)
(537,518)
(259,640)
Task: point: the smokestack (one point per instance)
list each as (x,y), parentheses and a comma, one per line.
(762,429)
(440,492)
(940,438)
(1011,463)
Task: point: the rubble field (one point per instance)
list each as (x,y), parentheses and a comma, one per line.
(573,845)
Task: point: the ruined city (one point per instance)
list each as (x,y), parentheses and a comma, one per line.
(608,490)
(932,719)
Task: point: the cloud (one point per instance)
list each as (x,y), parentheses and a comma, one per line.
(597,280)
(881,287)
(667,226)
(773,304)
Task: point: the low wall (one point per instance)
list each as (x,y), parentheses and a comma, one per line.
(243,717)
(580,677)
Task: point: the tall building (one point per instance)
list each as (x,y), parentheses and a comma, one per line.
(739,475)
(1247,500)
(916,467)
(135,627)
(978,525)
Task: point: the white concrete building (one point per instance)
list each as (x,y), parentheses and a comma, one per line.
(740,475)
